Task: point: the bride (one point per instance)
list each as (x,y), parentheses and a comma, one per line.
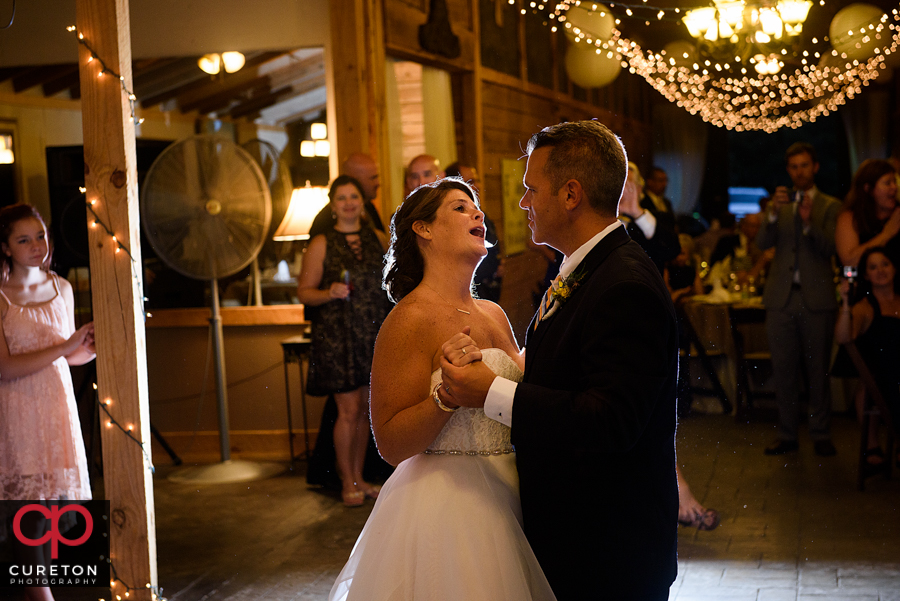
(447,524)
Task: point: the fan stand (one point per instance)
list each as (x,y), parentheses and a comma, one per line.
(228,470)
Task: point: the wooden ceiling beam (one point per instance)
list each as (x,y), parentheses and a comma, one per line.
(64,81)
(254,105)
(38,75)
(208,86)
(208,104)
(11,72)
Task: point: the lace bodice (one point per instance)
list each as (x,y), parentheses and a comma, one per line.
(470,431)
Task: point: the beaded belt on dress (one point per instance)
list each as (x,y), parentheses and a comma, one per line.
(470,453)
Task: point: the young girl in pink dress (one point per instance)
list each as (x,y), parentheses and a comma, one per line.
(42,454)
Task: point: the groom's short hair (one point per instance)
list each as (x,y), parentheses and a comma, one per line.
(586,151)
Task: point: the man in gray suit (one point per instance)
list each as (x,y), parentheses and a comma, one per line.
(800,298)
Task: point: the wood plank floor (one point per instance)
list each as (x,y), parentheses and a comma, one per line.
(793,528)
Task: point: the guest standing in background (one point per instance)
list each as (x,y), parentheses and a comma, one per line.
(341,277)
(652,229)
(321,467)
(423,169)
(363,169)
(42,454)
(871,215)
(800,299)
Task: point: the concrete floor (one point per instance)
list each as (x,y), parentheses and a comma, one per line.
(793,527)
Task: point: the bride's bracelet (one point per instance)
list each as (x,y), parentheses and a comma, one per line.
(438,402)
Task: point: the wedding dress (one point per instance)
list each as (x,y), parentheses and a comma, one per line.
(447,523)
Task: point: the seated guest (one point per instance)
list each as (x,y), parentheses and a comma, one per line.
(721,225)
(738,252)
(874,323)
(871,215)
(680,274)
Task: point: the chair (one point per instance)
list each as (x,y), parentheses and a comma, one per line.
(740,317)
(875,406)
(705,360)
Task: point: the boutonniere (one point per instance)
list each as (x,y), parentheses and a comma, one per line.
(563,289)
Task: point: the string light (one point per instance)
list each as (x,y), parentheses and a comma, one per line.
(726,96)
(105,69)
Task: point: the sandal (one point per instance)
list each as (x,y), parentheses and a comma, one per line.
(357,498)
(371,490)
(706,521)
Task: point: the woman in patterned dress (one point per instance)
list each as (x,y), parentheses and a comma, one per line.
(341,277)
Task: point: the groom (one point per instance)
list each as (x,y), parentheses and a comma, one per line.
(593,421)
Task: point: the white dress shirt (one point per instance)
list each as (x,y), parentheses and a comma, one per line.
(499,401)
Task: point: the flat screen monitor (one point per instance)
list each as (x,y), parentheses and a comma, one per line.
(743,200)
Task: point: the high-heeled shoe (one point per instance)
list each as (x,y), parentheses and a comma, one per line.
(356,498)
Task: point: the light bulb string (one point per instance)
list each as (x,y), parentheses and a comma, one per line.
(97,220)
(132,99)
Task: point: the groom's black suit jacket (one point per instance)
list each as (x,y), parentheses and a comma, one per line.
(594,424)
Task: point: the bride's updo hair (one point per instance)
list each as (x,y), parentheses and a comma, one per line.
(404,266)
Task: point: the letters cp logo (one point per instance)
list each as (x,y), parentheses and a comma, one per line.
(54,536)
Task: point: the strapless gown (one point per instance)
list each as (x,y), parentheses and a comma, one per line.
(448,523)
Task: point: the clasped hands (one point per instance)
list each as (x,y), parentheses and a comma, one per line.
(465,378)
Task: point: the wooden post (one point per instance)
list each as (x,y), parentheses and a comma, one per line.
(358,61)
(110,175)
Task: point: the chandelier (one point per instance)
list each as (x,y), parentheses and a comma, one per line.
(749,32)
(736,76)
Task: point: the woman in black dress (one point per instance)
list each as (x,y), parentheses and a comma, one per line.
(874,323)
(341,277)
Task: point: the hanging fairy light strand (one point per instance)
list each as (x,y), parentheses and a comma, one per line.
(749,93)
(107,70)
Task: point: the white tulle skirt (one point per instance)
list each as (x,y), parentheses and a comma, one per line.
(445,527)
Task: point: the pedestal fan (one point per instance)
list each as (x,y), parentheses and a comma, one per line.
(278,177)
(206,211)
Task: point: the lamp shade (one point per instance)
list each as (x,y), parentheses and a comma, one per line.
(305,204)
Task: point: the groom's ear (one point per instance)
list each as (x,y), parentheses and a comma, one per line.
(574,194)
(421,229)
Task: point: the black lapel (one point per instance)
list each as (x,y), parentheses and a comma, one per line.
(598,254)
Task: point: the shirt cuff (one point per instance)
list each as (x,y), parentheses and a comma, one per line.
(499,401)
(647,222)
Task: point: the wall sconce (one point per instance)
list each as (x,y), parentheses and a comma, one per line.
(6,153)
(213,63)
(318,131)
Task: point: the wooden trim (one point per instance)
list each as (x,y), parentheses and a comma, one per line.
(276,315)
(508,81)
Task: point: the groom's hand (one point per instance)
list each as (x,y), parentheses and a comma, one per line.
(468,385)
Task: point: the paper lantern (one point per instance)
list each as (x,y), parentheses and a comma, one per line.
(588,69)
(684,53)
(849,31)
(596,25)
